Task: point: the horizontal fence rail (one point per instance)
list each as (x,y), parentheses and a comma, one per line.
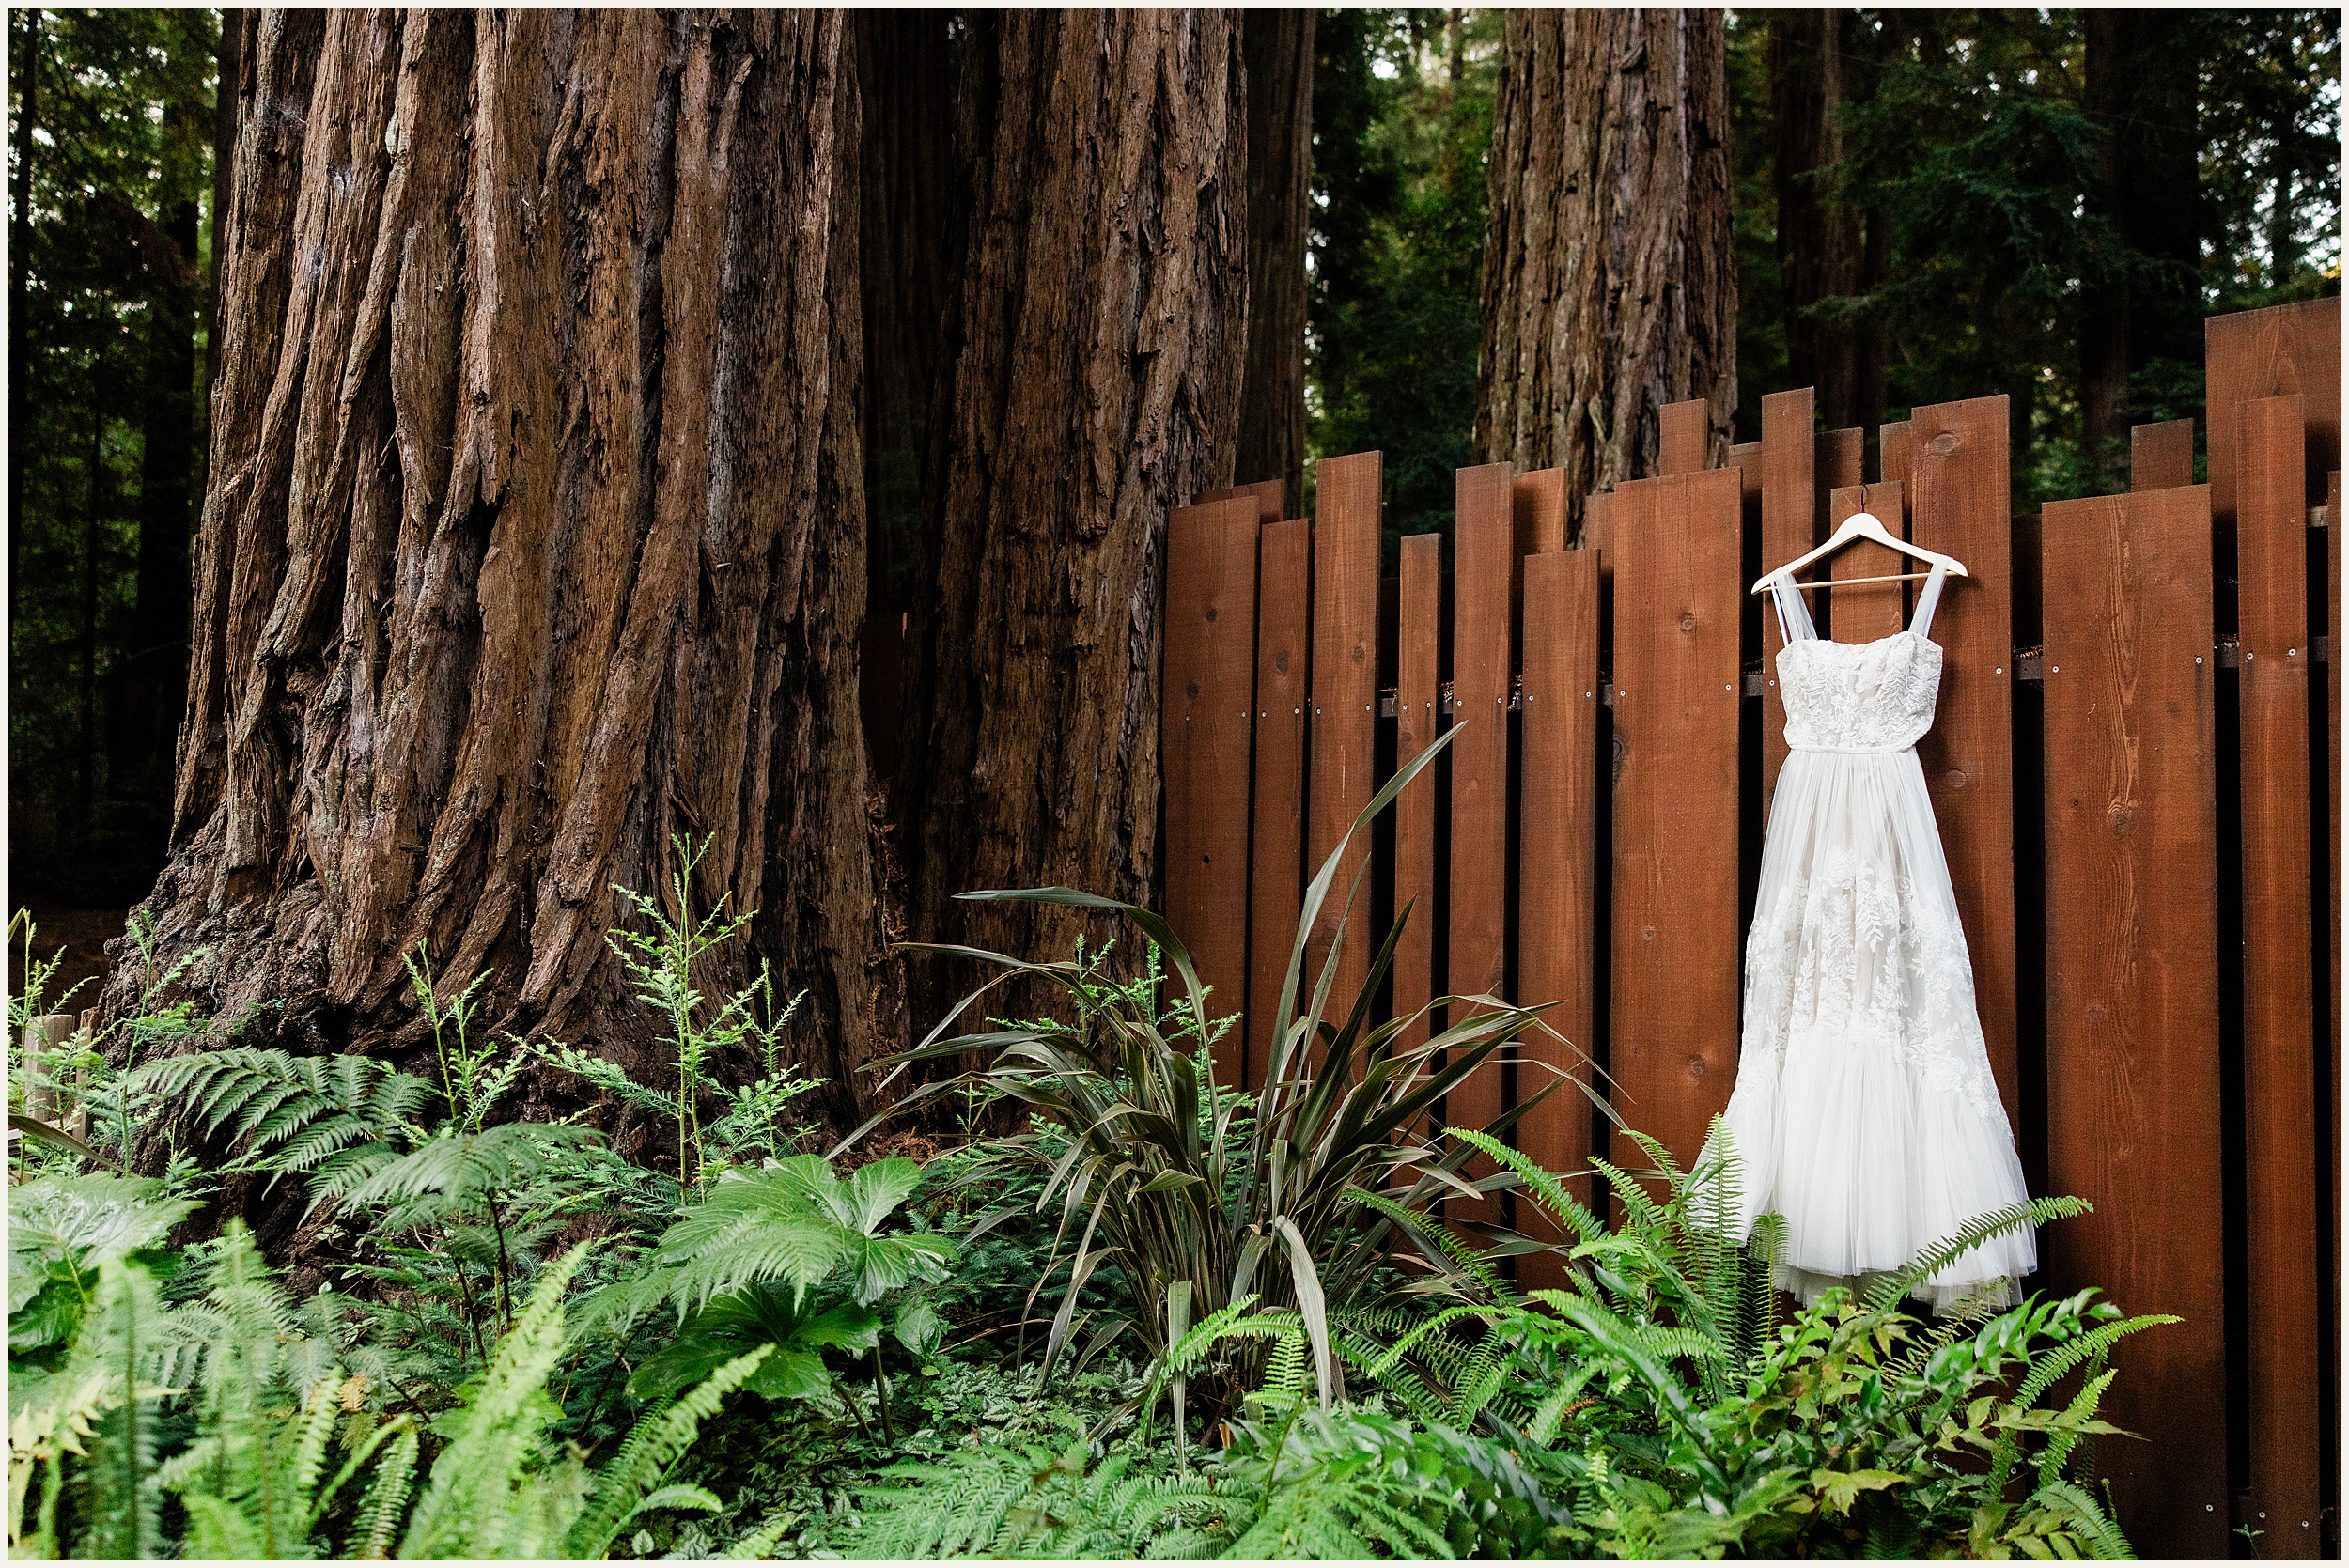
(2133,767)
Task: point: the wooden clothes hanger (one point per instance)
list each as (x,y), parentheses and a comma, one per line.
(1863,525)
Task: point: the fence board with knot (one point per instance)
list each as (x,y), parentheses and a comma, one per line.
(2134,766)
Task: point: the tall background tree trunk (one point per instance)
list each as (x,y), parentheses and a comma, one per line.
(149,685)
(535,528)
(1278,44)
(228,63)
(1095,348)
(1610,280)
(911,180)
(26,27)
(2141,80)
(94,511)
(1828,247)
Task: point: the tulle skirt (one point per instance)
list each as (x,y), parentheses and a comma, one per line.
(1865,1113)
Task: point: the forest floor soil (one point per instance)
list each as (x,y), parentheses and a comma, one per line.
(83,933)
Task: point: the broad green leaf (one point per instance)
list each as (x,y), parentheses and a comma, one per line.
(919,1327)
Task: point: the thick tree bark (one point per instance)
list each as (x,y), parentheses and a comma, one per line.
(534,529)
(1278,44)
(2141,78)
(149,687)
(93,520)
(1610,280)
(1828,247)
(229,59)
(1095,348)
(20,287)
(910,178)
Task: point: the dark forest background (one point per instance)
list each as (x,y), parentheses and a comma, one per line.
(1929,205)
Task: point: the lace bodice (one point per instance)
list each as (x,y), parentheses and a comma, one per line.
(1859,697)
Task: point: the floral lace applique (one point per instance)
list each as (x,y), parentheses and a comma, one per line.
(1872,696)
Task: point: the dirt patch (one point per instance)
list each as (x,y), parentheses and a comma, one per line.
(909,1143)
(83,933)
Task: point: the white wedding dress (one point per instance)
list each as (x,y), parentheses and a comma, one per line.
(1865,1113)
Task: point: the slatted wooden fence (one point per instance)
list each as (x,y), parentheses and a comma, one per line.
(2133,762)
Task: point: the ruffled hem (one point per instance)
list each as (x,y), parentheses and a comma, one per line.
(1945,1301)
(1870,1168)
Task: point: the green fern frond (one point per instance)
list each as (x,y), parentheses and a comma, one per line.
(630,1485)
(1567,1211)
(2097,1530)
(1434,1232)
(2093,1345)
(1888,1291)
(2064,1439)
(1640,1213)
(376,1524)
(474,1496)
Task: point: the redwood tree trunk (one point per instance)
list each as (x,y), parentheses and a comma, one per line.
(142,716)
(534,532)
(1278,44)
(1610,280)
(912,245)
(2141,82)
(1095,343)
(228,58)
(1822,251)
(25,37)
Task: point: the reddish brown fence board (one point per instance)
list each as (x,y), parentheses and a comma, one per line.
(1895,452)
(2161,456)
(1539,500)
(2331,1054)
(2132,890)
(1746,457)
(1959,507)
(1557,854)
(1674,1040)
(1482,562)
(1865,612)
(1836,465)
(1277,888)
(1204,747)
(2279,1001)
(2273,353)
(1417,725)
(1598,531)
(1684,430)
(1790,527)
(1266,493)
(1344,702)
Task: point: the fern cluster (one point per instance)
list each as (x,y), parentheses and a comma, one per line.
(286,1462)
(1655,1406)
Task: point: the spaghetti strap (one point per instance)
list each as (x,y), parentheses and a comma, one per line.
(1923,624)
(1794,616)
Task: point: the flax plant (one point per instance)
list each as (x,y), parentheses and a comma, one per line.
(1159,1176)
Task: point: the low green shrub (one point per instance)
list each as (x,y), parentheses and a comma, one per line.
(1654,1407)
(285,1463)
(1155,1169)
